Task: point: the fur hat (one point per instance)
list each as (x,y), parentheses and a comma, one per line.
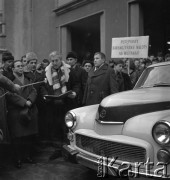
(7,56)
(31,56)
(71,55)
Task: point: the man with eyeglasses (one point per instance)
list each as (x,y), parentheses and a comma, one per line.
(22,116)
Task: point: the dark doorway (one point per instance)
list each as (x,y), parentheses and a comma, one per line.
(156,16)
(85,37)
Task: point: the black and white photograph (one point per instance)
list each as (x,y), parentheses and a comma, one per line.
(84,89)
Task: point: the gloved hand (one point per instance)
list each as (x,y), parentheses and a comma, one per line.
(72,95)
(46,100)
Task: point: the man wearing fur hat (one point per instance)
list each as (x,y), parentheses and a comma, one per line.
(31,72)
(34,76)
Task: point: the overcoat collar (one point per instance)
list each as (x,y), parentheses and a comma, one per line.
(99,71)
(17,81)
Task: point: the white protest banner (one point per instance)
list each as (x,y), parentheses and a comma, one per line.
(130,47)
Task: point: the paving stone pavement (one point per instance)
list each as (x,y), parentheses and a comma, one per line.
(44,169)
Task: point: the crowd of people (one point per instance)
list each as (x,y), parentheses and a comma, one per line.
(27,115)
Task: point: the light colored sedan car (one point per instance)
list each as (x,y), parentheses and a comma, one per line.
(128,133)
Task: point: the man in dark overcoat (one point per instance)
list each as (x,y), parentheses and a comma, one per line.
(123,79)
(77,81)
(101,81)
(34,76)
(22,116)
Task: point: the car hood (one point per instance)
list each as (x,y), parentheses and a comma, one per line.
(122,106)
(138,96)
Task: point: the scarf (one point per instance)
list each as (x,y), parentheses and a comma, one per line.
(58,77)
(20,78)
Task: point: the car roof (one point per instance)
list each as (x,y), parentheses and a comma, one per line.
(160,64)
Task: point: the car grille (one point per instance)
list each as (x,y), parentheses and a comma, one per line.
(123,152)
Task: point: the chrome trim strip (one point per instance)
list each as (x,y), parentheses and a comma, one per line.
(109,122)
(93,163)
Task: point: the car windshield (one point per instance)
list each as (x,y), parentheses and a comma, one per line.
(158,76)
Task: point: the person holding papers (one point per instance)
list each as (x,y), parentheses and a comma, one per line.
(57,74)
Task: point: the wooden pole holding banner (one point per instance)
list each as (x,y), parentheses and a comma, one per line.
(128,68)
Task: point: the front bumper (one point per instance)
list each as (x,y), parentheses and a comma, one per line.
(104,166)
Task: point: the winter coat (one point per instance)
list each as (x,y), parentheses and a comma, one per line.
(5,84)
(100,84)
(77,83)
(18,126)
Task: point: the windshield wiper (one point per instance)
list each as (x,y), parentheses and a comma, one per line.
(144,86)
(161,84)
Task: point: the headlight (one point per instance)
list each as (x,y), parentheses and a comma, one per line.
(70,120)
(163,155)
(161,132)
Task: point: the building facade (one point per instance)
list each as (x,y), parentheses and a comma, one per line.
(84,26)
